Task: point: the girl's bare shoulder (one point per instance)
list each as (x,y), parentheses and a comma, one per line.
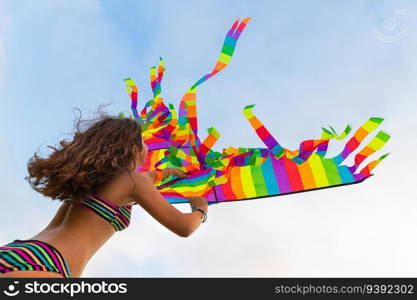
(31,274)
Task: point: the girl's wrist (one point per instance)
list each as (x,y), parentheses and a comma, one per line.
(202,212)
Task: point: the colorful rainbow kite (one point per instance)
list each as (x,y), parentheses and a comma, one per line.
(240,173)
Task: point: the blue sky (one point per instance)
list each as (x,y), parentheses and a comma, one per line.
(305,64)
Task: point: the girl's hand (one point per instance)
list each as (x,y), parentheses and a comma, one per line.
(158,175)
(199,202)
(178,173)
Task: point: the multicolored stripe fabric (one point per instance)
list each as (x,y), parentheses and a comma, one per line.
(32,255)
(242,173)
(117,216)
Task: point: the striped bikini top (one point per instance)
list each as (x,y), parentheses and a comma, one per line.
(117,216)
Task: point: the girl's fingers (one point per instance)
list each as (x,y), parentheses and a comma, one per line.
(179,173)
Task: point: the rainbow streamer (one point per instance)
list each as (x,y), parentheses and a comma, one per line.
(241,173)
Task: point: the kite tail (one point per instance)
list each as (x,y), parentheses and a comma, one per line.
(157,78)
(263,133)
(159,114)
(307,147)
(187,107)
(327,135)
(366,171)
(157,109)
(168,131)
(358,137)
(132,90)
(157,104)
(208,143)
(178,158)
(374,145)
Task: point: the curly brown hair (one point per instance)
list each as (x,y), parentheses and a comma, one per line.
(96,154)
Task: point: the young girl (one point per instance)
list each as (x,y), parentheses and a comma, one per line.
(94,176)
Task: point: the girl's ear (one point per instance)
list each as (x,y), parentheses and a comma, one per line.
(135,150)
